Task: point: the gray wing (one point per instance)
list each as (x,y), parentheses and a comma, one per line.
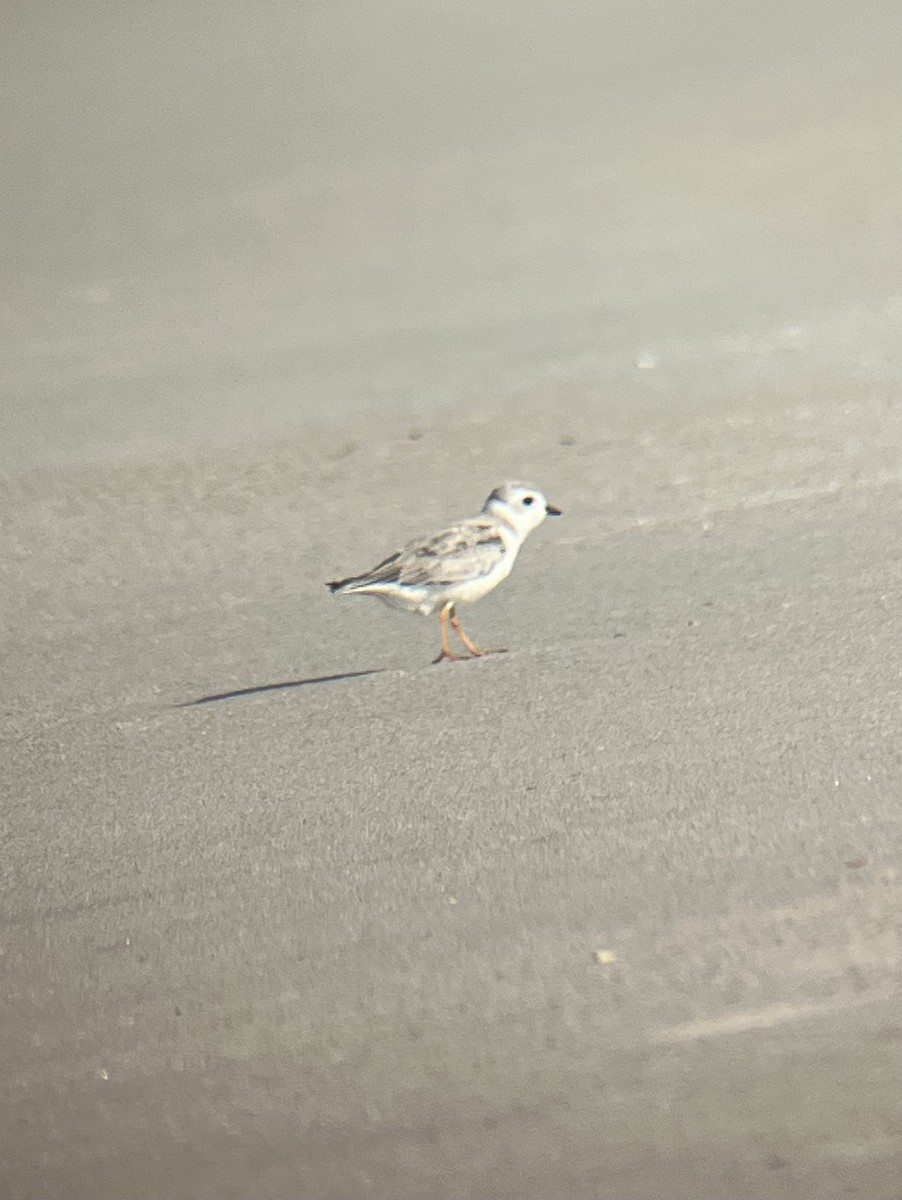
(462,552)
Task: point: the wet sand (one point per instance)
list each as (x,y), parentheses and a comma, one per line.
(286,910)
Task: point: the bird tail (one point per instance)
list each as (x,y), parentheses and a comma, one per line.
(339,585)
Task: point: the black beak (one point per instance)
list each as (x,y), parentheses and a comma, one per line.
(552,511)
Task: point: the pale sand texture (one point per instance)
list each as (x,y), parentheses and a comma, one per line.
(614,915)
(339,940)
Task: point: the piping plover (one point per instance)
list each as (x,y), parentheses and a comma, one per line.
(458,565)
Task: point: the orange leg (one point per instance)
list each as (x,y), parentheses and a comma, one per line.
(459,630)
(447,652)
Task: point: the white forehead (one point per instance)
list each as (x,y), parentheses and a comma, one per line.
(512,492)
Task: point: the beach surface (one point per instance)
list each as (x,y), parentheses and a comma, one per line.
(287,911)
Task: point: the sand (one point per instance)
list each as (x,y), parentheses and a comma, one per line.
(288,911)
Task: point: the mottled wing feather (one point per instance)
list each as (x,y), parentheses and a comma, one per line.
(456,554)
(387,569)
(383,572)
(452,556)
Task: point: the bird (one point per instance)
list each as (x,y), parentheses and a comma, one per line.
(457,565)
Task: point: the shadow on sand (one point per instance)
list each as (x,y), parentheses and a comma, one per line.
(278,687)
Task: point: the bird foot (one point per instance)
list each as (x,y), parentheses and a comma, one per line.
(449,656)
(444,656)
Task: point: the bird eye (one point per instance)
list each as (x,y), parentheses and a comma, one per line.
(527,500)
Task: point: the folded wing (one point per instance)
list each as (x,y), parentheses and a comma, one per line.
(461,553)
(453,556)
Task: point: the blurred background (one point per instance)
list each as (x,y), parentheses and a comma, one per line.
(615,913)
(230,220)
